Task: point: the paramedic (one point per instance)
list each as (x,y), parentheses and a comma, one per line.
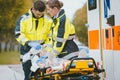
(31,27)
(62,31)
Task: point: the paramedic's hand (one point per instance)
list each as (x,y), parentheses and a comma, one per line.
(30,54)
(32,43)
(34,46)
(35,50)
(38,47)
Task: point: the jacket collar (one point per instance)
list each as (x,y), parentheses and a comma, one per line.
(32,15)
(62,11)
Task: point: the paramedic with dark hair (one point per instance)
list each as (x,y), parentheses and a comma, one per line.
(31,26)
(62,31)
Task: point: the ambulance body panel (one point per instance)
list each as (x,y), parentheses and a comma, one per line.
(104,35)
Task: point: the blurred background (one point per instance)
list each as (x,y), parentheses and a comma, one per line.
(11,10)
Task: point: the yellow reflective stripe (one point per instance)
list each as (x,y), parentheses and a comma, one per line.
(60,16)
(64,52)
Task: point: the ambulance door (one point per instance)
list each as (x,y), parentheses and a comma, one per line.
(108,39)
(115,7)
(94,30)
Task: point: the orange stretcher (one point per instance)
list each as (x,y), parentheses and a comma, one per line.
(78,69)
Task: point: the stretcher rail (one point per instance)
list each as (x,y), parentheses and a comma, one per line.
(74,71)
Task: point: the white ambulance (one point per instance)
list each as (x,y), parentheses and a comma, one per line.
(104,35)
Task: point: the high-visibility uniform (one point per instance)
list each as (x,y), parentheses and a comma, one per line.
(27,29)
(31,29)
(62,35)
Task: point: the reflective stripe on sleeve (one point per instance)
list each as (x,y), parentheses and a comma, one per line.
(60,39)
(38,41)
(17,32)
(63,40)
(71,37)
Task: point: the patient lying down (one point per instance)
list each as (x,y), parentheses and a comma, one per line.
(41,58)
(45,59)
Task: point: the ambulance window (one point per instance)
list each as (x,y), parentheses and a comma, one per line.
(92,4)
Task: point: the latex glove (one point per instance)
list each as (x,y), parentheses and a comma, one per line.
(42,59)
(33,51)
(26,57)
(33,43)
(34,66)
(30,44)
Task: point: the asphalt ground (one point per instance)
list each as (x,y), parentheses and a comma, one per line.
(11,72)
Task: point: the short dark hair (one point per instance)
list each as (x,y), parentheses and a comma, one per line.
(39,5)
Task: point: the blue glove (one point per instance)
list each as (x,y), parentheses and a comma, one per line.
(38,47)
(42,59)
